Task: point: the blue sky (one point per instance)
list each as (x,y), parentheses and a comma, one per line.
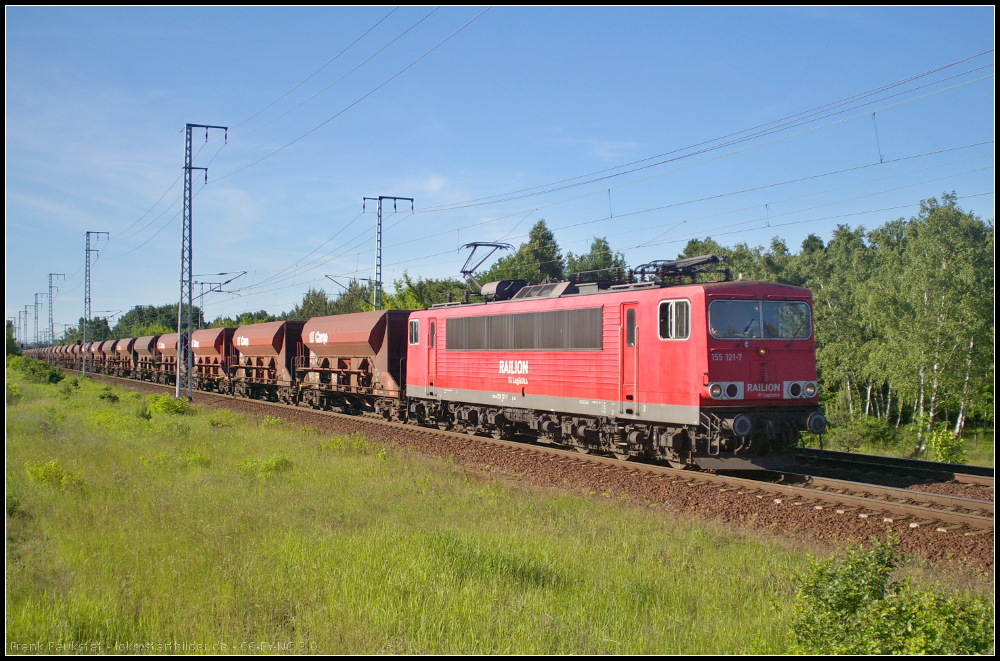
(97,99)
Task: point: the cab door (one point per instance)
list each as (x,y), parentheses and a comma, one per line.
(431,352)
(629,357)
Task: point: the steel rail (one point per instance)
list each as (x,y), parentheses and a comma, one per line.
(982,475)
(918,515)
(918,497)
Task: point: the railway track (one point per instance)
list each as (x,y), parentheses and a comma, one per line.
(916,509)
(916,468)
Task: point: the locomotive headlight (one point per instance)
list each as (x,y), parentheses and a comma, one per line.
(715,390)
(810,389)
(795,390)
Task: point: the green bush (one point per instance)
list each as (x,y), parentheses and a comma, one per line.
(108,395)
(875,431)
(35,371)
(849,434)
(264,469)
(167,404)
(354,443)
(850,606)
(223,418)
(184,459)
(14,394)
(271,421)
(52,419)
(52,474)
(945,447)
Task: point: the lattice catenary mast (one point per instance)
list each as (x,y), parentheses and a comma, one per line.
(185,358)
(86,296)
(377,294)
(52,290)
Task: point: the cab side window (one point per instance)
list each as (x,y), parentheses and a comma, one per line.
(675,320)
(630,328)
(414,331)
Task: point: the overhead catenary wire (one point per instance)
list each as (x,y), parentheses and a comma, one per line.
(346,246)
(423,211)
(711,159)
(328,63)
(358,66)
(797,117)
(674,225)
(714,232)
(826,106)
(124,234)
(355,102)
(552,204)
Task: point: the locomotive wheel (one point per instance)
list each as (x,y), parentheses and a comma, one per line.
(582,450)
(622,456)
(504,433)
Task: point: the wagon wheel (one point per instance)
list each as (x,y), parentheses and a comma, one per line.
(622,455)
(443,425)
(582,449)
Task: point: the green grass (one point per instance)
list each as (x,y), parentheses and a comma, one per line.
(129,523)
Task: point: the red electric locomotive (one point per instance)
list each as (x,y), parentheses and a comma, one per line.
(718,375)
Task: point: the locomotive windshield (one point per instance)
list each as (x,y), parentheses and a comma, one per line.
(774,320)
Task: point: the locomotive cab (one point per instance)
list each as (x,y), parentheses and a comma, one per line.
(760,388)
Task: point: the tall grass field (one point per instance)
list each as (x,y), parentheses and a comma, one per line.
(140,524)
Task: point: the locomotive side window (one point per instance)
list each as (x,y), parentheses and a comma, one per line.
(675,320)
(414,331)
(630,328)
(553,330)
(775,320)
(430,340)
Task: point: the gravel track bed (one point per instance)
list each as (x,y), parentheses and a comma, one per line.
(628,482)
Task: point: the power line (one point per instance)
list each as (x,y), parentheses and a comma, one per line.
(377,88)
(448,252)
(783,122)
(365,61)
(328,63)
(363,236)
(552,204)
(721,156)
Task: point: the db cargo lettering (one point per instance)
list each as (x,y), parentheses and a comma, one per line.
(242,341)
(315,337)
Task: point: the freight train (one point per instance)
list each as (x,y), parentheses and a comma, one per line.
(658,366)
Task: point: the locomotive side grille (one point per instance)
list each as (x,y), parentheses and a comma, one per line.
(554,330)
